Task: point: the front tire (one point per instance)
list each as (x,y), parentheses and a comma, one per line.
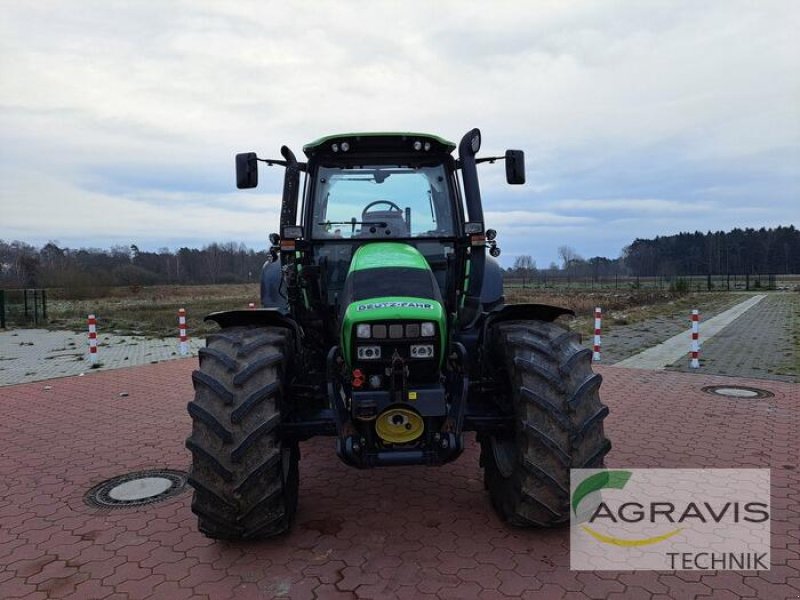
(558,422)
(245,479)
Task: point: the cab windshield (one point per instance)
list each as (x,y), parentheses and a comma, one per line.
(382,201)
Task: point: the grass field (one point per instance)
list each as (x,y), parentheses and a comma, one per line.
(624,308)
(152,311)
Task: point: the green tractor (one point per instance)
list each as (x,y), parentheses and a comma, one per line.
(383,325)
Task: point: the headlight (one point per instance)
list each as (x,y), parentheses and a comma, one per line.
(428,329)
(363,330)
(368,352)
(422,351)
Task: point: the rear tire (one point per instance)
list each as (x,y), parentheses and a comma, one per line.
(245,479)
(558,422)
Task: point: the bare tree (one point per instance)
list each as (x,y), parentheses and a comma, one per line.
(525,267)
(567,254)
(569,258)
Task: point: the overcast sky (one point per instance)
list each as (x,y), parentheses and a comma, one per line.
(120,120)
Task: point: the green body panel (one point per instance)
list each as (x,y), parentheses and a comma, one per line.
(393,308)
(311,146)
(387,254)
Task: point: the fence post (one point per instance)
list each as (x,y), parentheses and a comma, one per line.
(44,305)
(182,331)
(3,309)
(695,364)
(25,303)
(598,321)
(92,339)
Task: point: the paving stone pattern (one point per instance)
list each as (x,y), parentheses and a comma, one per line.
(37,354)
(757,344)
(413,532)
(622,341)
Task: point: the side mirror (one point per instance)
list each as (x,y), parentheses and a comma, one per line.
(515,167)
(246,170)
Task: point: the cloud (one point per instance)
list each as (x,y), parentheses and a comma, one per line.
(528,219)
(143,105)
(58,210)
(635,206)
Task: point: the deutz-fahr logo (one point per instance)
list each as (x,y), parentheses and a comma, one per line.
(376,305)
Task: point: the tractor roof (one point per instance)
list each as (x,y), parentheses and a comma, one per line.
(379,141)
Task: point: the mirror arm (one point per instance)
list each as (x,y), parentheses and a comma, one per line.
(271,161)
(489,159)
(301,166)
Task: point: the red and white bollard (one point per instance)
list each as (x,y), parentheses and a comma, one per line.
(598,322)
(182,331)
(695,350)
(92,339)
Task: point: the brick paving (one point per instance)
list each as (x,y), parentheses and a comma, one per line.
(411,532)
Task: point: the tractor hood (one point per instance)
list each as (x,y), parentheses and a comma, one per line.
(390,282)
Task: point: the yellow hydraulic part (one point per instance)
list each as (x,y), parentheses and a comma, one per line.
(399,425)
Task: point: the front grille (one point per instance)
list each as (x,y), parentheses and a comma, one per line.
(397,339)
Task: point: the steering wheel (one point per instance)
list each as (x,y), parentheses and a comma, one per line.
(392,207)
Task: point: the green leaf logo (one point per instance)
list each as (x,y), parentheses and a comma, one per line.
(598,481)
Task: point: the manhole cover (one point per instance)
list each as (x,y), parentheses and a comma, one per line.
(137,489)
(737,391)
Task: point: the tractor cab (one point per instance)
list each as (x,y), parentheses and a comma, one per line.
(366,188)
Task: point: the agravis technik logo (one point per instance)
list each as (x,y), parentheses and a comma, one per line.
(677,519)
(611,480)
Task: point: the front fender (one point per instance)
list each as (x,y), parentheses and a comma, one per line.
(259,317)
(534,312)
(523,312)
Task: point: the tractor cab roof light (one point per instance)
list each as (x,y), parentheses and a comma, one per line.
(293,232)
(473,228)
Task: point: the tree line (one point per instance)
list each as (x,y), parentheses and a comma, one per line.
(737,252)
(53,266)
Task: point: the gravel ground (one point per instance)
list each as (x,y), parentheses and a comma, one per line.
(758,344)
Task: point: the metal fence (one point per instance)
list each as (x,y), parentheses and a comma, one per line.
(687,283)
(23,308)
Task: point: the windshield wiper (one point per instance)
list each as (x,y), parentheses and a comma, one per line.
(377,223)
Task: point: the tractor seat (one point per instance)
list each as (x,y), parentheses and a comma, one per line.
(395,224)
